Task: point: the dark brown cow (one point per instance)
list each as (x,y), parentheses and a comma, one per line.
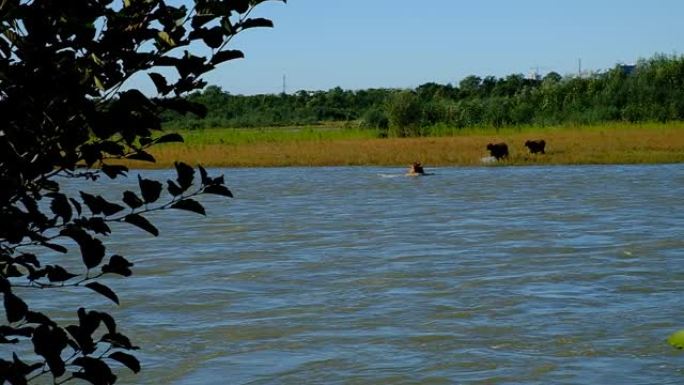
(536,146)
(498,150)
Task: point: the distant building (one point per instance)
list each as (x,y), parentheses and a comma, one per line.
(534,75)
(627,69)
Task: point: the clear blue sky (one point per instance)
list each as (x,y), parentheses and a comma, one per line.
(356,44)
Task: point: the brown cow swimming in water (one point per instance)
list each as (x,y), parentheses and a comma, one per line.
(498,150)
(416,169)
(536,146)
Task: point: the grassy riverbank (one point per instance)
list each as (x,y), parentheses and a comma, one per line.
(338,146)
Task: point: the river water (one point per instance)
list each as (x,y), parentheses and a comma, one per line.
(490,275)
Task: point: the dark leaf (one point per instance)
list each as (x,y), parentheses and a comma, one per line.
(112,171)
(12,271)
(240,6)
(213,37)
(109,209)
(218,180)
(106,319)
(15,308)
(160,83)
(84,340)
(200,20)
(34,317)
(118,265)
(186,174)
(170,138)
(58,274)
(218,190)
(118,340)
(205,177)
(93,203)
(150,189)
(60,206)
(132,200)
(27,259)
(226,55)
(77,205)
(22,332)
(95,371)
(92,250)
(128,360)
(143,156)
(111,148)
(141,222)
(99,205)
(96,224)
(49,342)
(167,61)
(36,274)
(189,205)
(133,99)
(22,368)
(55,247)
(191,65)
(104,290)
(88,321)
(255,23)
(90,153)
(174,189)
(145,141)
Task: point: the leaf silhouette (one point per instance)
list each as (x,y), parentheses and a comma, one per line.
(189,205)
(58,274)
(186,175)
(118,265)
(142,155)
(15,308)
(60,206)
(170,138)
(55,247)
(141,222)
(95,371)
(218,190)
(132,200)
(112,171)
(150,189)
(256,22)
(104,290)
(128,360)
(204,176)
(92,250)
(226,55)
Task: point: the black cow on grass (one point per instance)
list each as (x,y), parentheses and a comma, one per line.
(498,150)
(536,146)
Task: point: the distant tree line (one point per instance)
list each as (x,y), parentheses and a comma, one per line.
(651,90)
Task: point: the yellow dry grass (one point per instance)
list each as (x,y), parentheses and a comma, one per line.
(570,145)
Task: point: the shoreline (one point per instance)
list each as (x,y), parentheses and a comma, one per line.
(602,145)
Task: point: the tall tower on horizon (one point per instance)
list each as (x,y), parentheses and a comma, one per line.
(579,62)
